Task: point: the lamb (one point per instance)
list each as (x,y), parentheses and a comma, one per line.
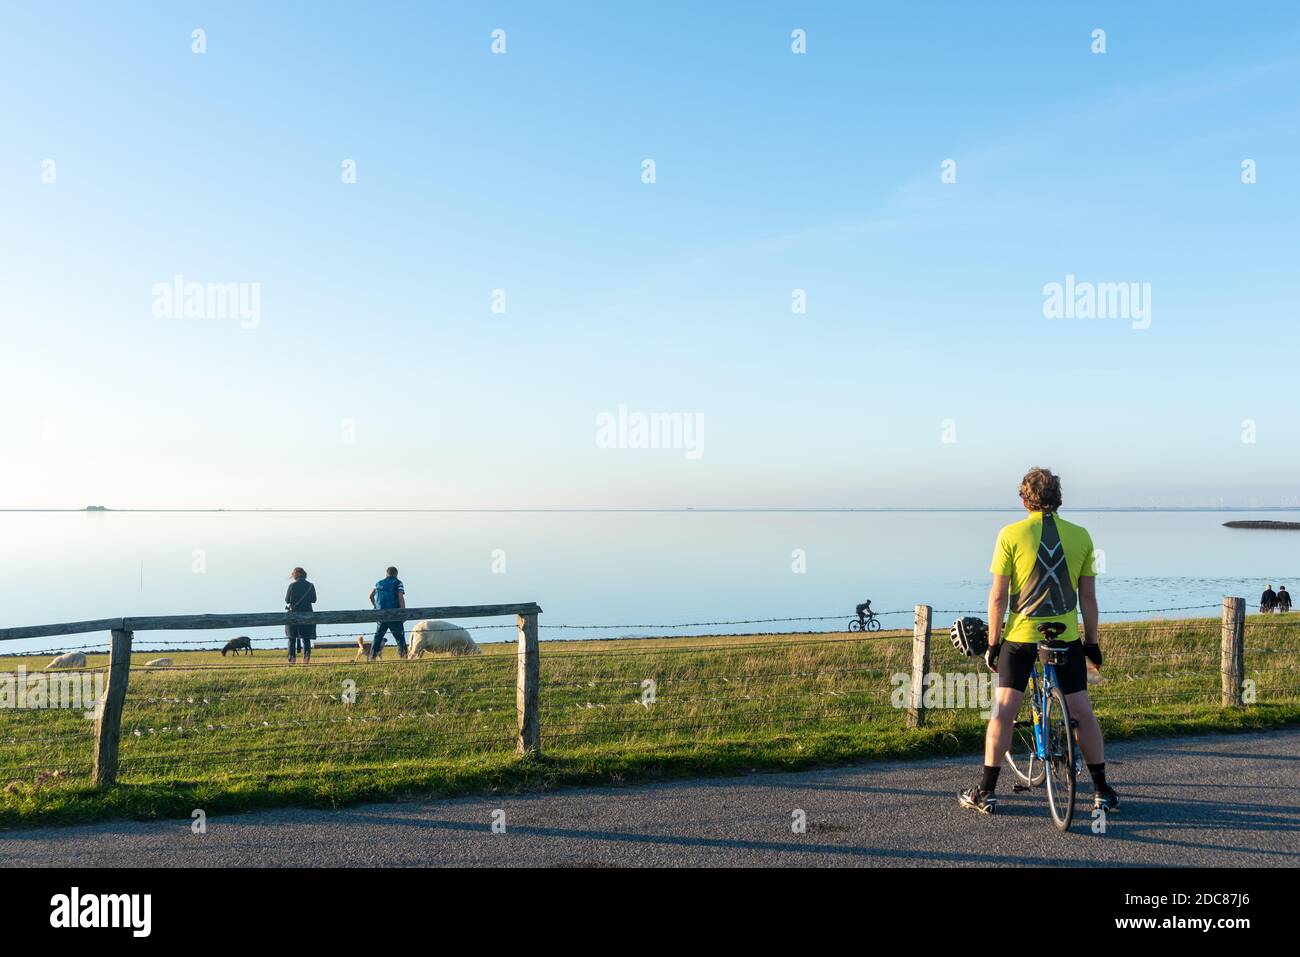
(236,645)
(159,663)
(434,635)
(73,659)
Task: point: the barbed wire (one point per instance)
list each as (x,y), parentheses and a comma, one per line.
(316,666)
(82,766)
(1128,696)
(667,701)
(735,647)
(843,616)
(749,714)
(846,616)
(89,733)
(778,718)
(725,678)
(139,732)
(297,749)
(292,695)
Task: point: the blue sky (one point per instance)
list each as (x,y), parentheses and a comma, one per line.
(377,373)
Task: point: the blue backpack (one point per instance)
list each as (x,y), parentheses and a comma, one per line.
(386,590)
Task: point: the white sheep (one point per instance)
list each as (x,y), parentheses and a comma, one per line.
(73,659)
(434,635)
(159,663)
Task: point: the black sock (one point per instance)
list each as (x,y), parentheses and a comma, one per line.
(1098,772)
(989,782)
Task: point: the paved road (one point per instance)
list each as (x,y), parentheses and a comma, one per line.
(1215,800)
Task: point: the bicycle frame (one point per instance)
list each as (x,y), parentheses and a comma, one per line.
(1049,754)
(1052,756)
(1038,705)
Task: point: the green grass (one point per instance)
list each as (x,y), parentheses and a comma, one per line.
(227,735)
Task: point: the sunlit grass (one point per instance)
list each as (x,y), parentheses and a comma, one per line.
(225,734)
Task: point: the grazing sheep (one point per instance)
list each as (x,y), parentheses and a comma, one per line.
(159,663)
(242,643)
(73,659)
(433,635)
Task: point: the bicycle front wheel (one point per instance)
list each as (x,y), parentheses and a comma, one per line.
(873,624)
(1060,760)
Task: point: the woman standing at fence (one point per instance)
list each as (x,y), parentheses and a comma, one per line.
(300,597)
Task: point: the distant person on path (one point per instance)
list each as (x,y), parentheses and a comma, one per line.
(300,597)
(1268,600)
(1043,570)
(1283,599)
(389,592)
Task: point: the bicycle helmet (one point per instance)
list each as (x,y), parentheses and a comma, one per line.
(970,636)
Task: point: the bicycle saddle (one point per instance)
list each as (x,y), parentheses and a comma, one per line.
(1051,630)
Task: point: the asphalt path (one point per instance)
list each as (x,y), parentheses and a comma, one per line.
(1222,800)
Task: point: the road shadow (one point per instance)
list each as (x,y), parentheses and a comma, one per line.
(1235,755)
(850,853)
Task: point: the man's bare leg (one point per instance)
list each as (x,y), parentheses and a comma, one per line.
(1002,722)
(1088,731)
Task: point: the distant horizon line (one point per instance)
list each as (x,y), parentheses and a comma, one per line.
(96,510)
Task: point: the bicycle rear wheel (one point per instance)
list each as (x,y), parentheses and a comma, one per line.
(855,625)
(1060,760)
(1022,756)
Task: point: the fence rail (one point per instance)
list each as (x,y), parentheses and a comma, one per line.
(263,619)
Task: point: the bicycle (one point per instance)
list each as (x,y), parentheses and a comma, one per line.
(1047,745)
(866,620)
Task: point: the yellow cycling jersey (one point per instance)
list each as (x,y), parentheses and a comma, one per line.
(1044,556)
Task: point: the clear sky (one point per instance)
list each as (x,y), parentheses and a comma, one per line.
(377,372)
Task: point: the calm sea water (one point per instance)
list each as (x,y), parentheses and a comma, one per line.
(620,569)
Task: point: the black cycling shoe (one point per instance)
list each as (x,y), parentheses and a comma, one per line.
(1106,799)
(980,800)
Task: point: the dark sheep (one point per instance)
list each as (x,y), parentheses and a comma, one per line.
(242,643)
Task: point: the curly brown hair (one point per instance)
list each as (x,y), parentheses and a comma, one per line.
(1041,490)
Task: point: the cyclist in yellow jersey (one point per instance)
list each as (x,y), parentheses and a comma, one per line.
(1043,572)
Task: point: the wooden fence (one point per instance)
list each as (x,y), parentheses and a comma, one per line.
(108,722)
(527,695)
(1232,665)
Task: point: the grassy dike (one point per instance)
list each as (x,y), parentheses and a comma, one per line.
(225,735)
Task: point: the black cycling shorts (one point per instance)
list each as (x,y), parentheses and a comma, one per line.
(1016,661)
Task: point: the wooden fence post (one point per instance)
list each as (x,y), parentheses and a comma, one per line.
(108,726)
(1232,658)
(920,665)
(527,691)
